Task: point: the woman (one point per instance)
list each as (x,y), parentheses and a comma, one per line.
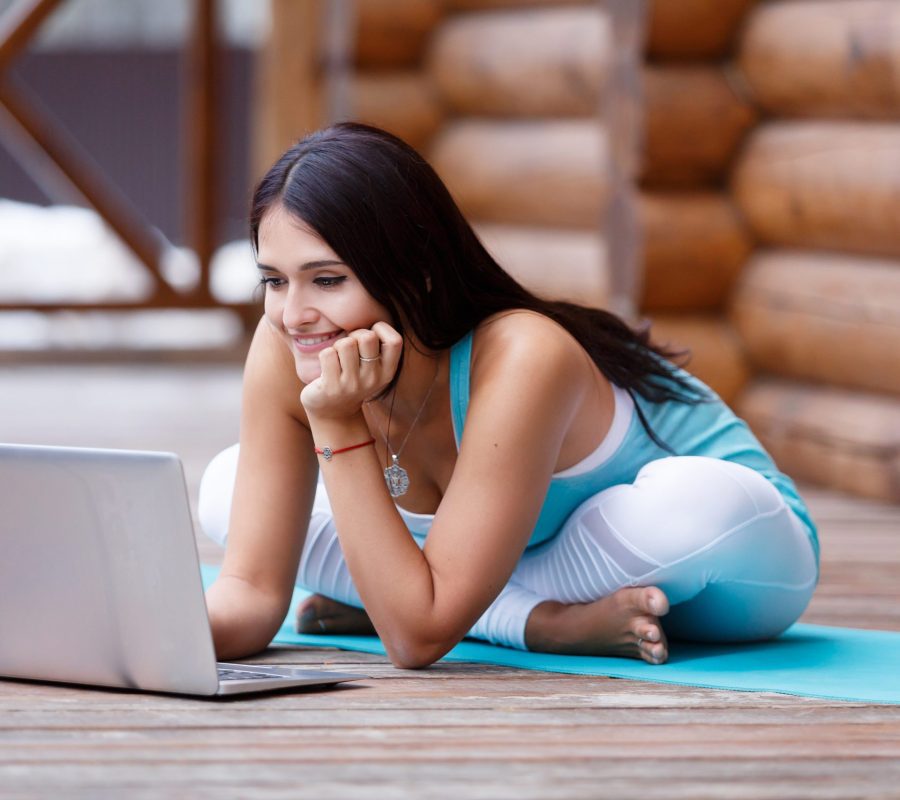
(574,485)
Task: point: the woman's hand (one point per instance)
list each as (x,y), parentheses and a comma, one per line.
(354,369)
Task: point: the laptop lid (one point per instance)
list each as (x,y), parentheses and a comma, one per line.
(99,571)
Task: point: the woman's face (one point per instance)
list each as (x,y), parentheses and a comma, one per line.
(312,297)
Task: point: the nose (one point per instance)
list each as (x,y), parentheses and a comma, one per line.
(297,312)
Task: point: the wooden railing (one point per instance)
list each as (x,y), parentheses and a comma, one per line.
(54,159)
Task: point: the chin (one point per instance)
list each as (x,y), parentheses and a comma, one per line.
(307,371)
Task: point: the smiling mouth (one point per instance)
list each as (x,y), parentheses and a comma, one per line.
(316,340)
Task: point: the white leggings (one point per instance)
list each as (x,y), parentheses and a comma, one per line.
(734,561)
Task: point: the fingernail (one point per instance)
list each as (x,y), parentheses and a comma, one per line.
(308,615)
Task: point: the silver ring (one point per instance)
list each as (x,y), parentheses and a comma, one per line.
(640,641)
(364,360)
(321,624)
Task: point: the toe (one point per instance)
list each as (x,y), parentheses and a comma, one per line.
(652,652)
(655,601)
(656,653)
(647,630)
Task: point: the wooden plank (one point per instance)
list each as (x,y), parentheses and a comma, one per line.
(750,779)
(557,719)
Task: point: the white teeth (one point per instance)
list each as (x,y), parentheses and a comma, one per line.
(310,341)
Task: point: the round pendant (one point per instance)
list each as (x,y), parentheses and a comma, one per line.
(396,479)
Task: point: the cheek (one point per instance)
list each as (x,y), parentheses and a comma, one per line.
(273,309)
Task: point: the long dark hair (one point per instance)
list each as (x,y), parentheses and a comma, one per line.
(380,206)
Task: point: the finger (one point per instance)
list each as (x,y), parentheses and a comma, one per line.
(368,344)
(330,366)
(348,354)
(391,346)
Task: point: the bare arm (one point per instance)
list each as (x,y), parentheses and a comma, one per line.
(526,387)
(273,496)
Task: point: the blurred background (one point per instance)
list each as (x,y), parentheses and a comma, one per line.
(727,169)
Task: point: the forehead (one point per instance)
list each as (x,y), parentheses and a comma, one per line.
(284,237)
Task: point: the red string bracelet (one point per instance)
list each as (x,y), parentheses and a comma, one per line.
(328,452)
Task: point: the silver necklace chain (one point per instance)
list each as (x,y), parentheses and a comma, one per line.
(397,478)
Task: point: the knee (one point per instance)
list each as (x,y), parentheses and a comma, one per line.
(214,497)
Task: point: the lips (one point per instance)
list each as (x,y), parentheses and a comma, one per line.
(313,342)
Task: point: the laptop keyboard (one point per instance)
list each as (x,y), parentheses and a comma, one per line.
(226,674)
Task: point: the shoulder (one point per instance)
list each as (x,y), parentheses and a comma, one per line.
(525,338)
(521,350)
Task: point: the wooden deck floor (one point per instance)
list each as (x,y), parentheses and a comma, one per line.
(462,731)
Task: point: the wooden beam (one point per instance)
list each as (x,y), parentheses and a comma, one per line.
(200,107)
(77,166)
(620,113)
(291,97)
(19,24)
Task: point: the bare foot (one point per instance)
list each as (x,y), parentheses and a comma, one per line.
(624,624)
(320,614)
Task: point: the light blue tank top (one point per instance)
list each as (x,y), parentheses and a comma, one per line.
(706,429)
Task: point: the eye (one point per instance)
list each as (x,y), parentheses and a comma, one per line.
(330,281)
(273,282)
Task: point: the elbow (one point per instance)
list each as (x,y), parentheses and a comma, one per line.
(416,655)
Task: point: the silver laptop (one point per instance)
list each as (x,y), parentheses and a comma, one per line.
(100,580)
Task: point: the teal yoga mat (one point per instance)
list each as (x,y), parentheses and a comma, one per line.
(807,660)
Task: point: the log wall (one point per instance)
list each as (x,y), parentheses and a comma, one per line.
(768,182)
(819,184)
(386,85)
(526,149)
(524,82)
(695,242)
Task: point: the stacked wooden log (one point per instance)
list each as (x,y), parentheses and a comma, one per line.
(819,304)
(385,83)
(524,150)
(695,243)
(389,87)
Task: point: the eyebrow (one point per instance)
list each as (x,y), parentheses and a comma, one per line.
(325,262)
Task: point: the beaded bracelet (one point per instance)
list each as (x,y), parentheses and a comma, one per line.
(328,452)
